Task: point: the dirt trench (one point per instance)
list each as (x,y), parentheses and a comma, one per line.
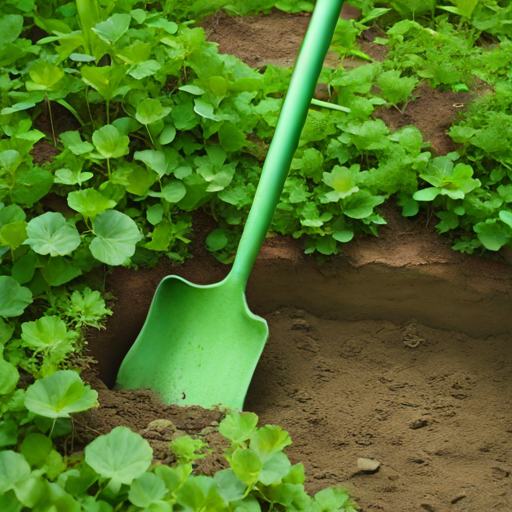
(398,350)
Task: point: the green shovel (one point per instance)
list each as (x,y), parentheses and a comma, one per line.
(200,344)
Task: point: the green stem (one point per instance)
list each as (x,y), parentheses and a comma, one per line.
(88,105)
(108,167)
(151,137)
(48,102)
(53,426)
(108,112)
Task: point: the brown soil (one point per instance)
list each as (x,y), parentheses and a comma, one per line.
(276,39)
(429,405)
(397,350)
(432,112)
(259,40)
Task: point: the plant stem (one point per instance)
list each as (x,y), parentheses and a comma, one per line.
(48,102)
(108,112)
(88,105)
(151,137)
(53,426)
(108,167)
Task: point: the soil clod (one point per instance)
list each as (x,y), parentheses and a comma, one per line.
(368,465)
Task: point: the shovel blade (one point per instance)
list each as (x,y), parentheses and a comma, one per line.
(199,345)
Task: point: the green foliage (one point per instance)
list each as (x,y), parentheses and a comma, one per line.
(60,395)
(167,125)
(116,237)
(51,234)
(13,297)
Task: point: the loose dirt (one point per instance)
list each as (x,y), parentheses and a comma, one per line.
(432,406)
(398,351)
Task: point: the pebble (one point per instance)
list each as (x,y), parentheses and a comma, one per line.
(300,324)
(368,465)
(420,423)
(162,426)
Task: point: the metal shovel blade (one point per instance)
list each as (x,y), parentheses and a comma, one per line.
(199,345)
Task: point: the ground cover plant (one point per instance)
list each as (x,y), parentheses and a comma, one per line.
(163,125)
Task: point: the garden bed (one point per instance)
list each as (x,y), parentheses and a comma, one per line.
(395,349)
(399,350)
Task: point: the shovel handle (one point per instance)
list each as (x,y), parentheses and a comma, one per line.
(286,138)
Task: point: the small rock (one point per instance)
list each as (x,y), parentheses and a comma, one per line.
(300,324)
(427,507)
(368,465)
(162,426)
(419,423)
(208,430)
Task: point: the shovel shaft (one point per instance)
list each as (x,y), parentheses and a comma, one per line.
(286,138)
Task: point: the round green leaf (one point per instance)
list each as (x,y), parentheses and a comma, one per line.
(60,270)
(343,236)
(9,377)
(150,111)
(116,237)
(109,142)
(200,493)
(13,297)
(121,455)
(11,26)
(60,395)
(506,217)
(361,205)
(50,234)
(49,332)
(155,214)
(492,234)
(174,191)
(238,427)
(89,202)
(113,28)
(427,194)
(11,213)
(246,465)
(216,240)
(343,180)
(275,469)
(10,160)
(192,89)
(13,469)
(36,448)
(269,440)
(44,76)
(13,234)
(168,134)
(230,486)
(153,159)
(147,490)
